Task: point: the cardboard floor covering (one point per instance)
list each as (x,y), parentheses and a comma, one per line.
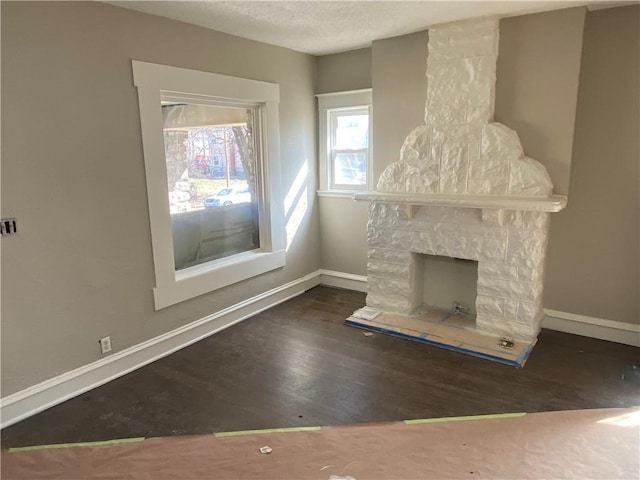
(602,444)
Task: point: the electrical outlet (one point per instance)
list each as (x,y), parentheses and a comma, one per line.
(105,345)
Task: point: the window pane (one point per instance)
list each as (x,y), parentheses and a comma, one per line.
(351,131)
(350,168)
(211,181)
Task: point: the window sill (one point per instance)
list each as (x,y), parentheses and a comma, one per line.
(339,193)
(205,278)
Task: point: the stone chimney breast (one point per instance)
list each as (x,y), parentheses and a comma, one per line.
(459,149)
(463,189)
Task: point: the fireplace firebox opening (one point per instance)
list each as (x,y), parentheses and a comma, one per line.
(449,290)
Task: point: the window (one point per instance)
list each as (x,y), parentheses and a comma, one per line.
(212,167)
(345,148)
(213,207)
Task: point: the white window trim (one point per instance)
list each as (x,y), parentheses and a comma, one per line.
(173,287)
(328,102)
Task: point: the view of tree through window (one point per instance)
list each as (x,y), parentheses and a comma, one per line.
(351,142)
(350,145)
(211,166)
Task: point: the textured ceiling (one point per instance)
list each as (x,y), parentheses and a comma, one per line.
(322,27)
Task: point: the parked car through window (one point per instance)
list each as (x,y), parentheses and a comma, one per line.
(229,196)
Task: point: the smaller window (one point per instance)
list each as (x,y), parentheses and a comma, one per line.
(345,136)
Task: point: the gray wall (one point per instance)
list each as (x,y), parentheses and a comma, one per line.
(537,85)
(593,264)
(73,174)
(399,68)
(341,72)
(343,221)
(343,235)
(593,261)
(396,69)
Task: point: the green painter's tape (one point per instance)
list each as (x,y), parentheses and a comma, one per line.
(462,419)
(80,444)
(268,430)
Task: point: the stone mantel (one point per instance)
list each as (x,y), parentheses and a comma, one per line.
(552,203)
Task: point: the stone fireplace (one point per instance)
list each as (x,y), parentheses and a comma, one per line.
(462,188)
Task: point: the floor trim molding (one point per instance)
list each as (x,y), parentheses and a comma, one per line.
(39,397)
(332,278)
(613,331)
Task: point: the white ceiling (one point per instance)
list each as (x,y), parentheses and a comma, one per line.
(323,27)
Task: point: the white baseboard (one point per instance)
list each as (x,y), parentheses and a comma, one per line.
(349,281)
(619,332)
(39,397)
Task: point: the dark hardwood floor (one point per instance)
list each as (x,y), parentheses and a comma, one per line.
(298,365)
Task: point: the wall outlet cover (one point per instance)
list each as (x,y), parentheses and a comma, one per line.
(105,345)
